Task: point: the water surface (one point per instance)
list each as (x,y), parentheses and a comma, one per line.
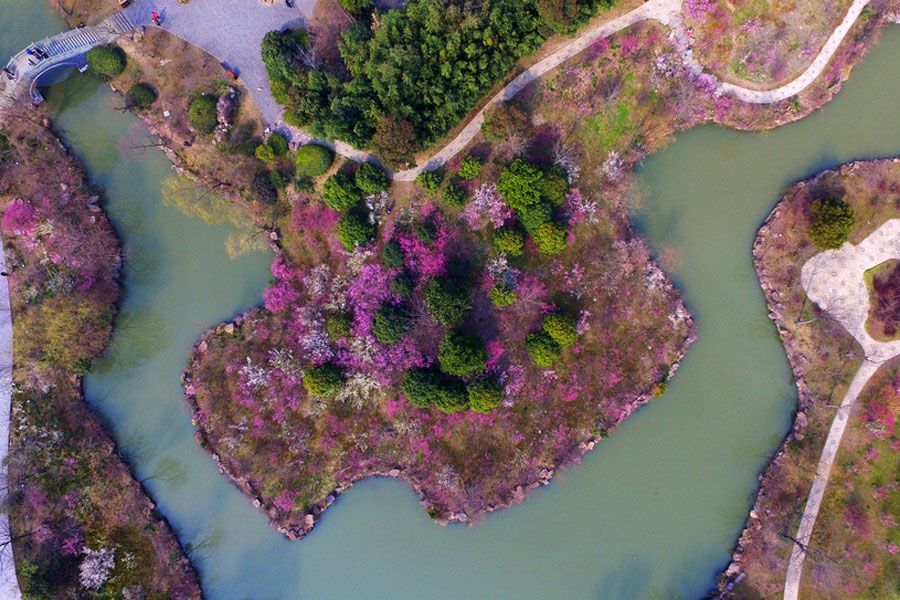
(651,513)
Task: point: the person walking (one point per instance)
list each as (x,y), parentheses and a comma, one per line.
(156,19)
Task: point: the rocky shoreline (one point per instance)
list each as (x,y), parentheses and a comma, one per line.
(798,359)
(521,490)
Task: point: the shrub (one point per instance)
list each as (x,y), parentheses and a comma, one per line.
(6,149)
(140,95)
(535,215)
(484,395)
(520,184)
(392,255)
(555,188)
(340,193)
(462,354)
(509,240)
(453,397)
(446,301)
(470,167)
(279,180)
(422,387)
(278,143)
(313,160)
(262,189)
(391,324)
(323,381)
(106,61)
(265,153)
(371,179)
(430,181)
(503,122)
(454,196)
(357,7)
(402,285)
(338,325)
(830,222)
(550,238)
(542,348)
(202,113)
(396,142)
(354,229)
(561,328)
(426,232)
(501,295)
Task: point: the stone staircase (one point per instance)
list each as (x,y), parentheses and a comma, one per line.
(64,49)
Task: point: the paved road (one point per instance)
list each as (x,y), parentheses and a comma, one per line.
(9,585)
(812,71)
(834,280)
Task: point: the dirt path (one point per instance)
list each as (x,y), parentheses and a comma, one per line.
(834,280)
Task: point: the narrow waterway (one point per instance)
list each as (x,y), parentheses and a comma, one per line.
(651,513)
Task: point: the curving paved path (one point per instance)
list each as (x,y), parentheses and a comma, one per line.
(812,71)
(834,280)
(232,30)
(9,585)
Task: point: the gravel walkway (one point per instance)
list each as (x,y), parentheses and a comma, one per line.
(834,280)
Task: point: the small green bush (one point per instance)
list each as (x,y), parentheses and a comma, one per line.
(106,61)
(462,354)
(430,181)
(485,395)
(313,160)
(426,232)
(830,222)
(354,229)
(6,149)
(340,193)
(454,196)
(501,295)
(262,189)
(402,285)
(338,325)
(470,167)
(446,301)
(542,348)
(265,153)
(561,328)
(392,255)
(391,324)
(555,188)
(357,8)
(140,95)
(520,184)
(422,387)
(532,217)
(550,238)
(509,240)
(278,143)
(453,397)
(202,113)
(323,381)
(371,179)
(279,180)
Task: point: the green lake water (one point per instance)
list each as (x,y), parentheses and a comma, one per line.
(652,512)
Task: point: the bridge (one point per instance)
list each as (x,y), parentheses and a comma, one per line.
(68,49)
